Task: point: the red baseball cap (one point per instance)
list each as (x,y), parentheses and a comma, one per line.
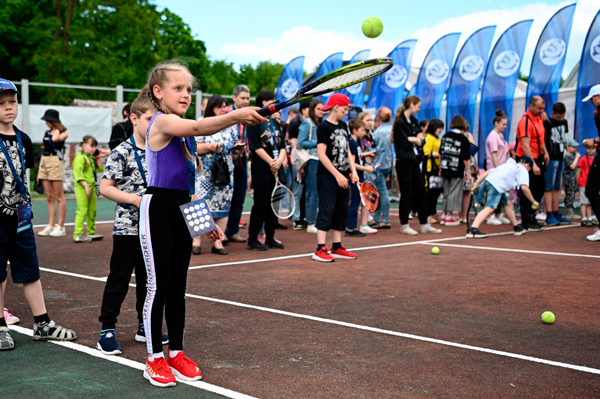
(336,99)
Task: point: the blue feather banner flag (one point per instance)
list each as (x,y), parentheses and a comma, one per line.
(589,75)
(290,82)
(356,93)
(331,63)
(467,74)
(549,57)
(500,80)
(433,77)
(387,90)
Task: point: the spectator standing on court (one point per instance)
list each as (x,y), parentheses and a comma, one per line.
(17,241)
(431,151)
(124,181)
(52,173)
(203,107)
(385,157)
(241,99)
(531,142)
(571,160)
(583,168)
(122,130)
(218,197)
(496,154)
(592,188)
(307,139)
(408,139)
(335,167)
(297,182)
(556,128)
(267,144)
(454,164)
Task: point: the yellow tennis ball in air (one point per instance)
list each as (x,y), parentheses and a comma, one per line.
(372,27)
(548,317)
(435,250)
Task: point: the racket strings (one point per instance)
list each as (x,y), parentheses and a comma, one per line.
(350,78)
(282,202)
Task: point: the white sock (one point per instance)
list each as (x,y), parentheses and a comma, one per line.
(404,226)
(154,356)
(425,226)
(173,353)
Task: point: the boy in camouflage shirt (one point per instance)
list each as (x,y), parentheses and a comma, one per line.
(124,181)
(569,174)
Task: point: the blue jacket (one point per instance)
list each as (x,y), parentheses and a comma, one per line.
(306,142)
(385,150)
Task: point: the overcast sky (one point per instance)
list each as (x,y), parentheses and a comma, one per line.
(243,32)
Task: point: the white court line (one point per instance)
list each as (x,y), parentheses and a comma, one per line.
(516,250)
(135,365)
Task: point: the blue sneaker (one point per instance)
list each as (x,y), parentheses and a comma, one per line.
(563,220)
(552,221)
(108,344)
(140,336)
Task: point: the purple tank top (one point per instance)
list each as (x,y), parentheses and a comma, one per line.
(167,168)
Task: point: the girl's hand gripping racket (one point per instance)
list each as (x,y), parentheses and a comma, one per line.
(282,201)
(333,81)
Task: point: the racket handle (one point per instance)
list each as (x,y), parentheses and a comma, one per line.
(268,110)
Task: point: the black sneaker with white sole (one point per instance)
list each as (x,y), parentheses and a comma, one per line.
(533,227)
(518,230)
(474,232)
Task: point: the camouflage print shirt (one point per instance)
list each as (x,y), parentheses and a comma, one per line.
(122,167)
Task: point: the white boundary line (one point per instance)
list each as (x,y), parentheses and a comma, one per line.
(515,250)
(135,365)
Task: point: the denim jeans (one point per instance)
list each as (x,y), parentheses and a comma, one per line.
(382,214)
(297,191)
(240,183)
(312,196)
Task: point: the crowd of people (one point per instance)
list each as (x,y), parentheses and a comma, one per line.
(160,159)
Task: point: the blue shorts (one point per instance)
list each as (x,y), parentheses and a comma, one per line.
(494,198)
(20,250)
(553,175)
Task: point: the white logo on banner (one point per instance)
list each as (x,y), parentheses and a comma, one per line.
(507,63)
(396,76)
(595,50)
(437,71)
(355,89)
(471,67)
(552,51)
(289,88)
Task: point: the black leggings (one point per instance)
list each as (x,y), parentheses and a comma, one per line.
(126,257)
(592,188)
(167,249)
(412,191)
(261,213)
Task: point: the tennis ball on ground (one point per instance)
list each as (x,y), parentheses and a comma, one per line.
(533,207)
(548,317)
(372,27)
(435,250)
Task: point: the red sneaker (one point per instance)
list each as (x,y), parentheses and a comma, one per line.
(159,373)
(322,255)
(342,253)
(184,368)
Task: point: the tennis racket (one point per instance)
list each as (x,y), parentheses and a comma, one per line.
(282,201)
(333,81)
(369,196)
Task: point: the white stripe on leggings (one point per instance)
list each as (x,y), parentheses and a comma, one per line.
(146,244)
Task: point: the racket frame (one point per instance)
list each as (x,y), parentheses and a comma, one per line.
(292,199)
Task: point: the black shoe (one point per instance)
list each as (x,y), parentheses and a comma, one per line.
(518,230)
(272,243)
(304,223)
(219,251)
(196,250)
(474,232)
(533,227)
(256,245)
(297,226)
(354,233)
(279,226)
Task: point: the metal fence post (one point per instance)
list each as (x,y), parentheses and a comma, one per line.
(198,104)
(119,103)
